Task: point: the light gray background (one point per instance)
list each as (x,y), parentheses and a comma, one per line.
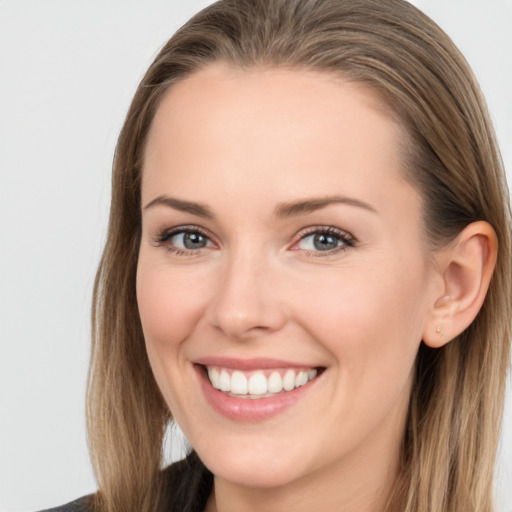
(68,70)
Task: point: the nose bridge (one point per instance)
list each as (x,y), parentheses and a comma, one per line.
(247,300)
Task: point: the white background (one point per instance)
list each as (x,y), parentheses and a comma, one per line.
(68,70)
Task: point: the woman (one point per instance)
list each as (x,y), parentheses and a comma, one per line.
(307,267)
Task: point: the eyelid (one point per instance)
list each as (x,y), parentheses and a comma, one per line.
(163,236)
(348,240)
(167,233)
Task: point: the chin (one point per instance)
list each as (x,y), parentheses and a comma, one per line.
(256,474)
(260,466)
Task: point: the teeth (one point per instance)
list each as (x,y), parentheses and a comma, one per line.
(275,383)
(224,381)
(301,379)
(213,375)
(239,383)
(259,383)
(289,380)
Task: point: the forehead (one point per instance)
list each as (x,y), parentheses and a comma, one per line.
(296,132)
(277,98)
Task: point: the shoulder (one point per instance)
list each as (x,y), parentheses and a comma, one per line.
(83,504)
(187,485)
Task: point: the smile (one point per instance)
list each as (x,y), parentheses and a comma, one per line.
(253,390)
(259,383)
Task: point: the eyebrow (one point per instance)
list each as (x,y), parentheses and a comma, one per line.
(183,206)
(303,207)
(289,209)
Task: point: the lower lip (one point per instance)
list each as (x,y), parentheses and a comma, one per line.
(250,409)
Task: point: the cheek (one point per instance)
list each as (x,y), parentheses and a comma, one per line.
(370,322)
(169,308)
(169,305)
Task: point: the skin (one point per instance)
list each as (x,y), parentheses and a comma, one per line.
(242,143)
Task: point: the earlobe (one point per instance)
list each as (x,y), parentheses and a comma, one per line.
(466,266)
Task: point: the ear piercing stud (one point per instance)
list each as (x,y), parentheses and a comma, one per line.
(439,330)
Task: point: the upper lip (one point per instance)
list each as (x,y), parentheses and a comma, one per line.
(250,364)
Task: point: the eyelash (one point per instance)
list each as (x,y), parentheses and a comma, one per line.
(165,236)
(346,240)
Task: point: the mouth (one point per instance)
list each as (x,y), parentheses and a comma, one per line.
(259,383)
(253,390)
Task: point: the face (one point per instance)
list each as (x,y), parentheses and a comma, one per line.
(283,279)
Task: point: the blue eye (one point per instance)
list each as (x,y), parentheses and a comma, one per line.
(184,240)
(326,240)
(189,240)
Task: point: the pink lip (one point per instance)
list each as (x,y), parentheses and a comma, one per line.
(247,409)
(249,364)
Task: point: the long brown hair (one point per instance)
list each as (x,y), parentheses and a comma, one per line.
(451,156)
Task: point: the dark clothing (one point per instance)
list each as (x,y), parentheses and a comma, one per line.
(82,504)
(187,484)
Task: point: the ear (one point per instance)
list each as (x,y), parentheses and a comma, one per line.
(466,268)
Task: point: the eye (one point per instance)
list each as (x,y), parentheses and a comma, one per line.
(327,240)
(184,240)
(189,240)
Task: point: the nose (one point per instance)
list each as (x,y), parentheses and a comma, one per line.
(247,302)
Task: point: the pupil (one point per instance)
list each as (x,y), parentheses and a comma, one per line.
(194,241)
(325,242)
